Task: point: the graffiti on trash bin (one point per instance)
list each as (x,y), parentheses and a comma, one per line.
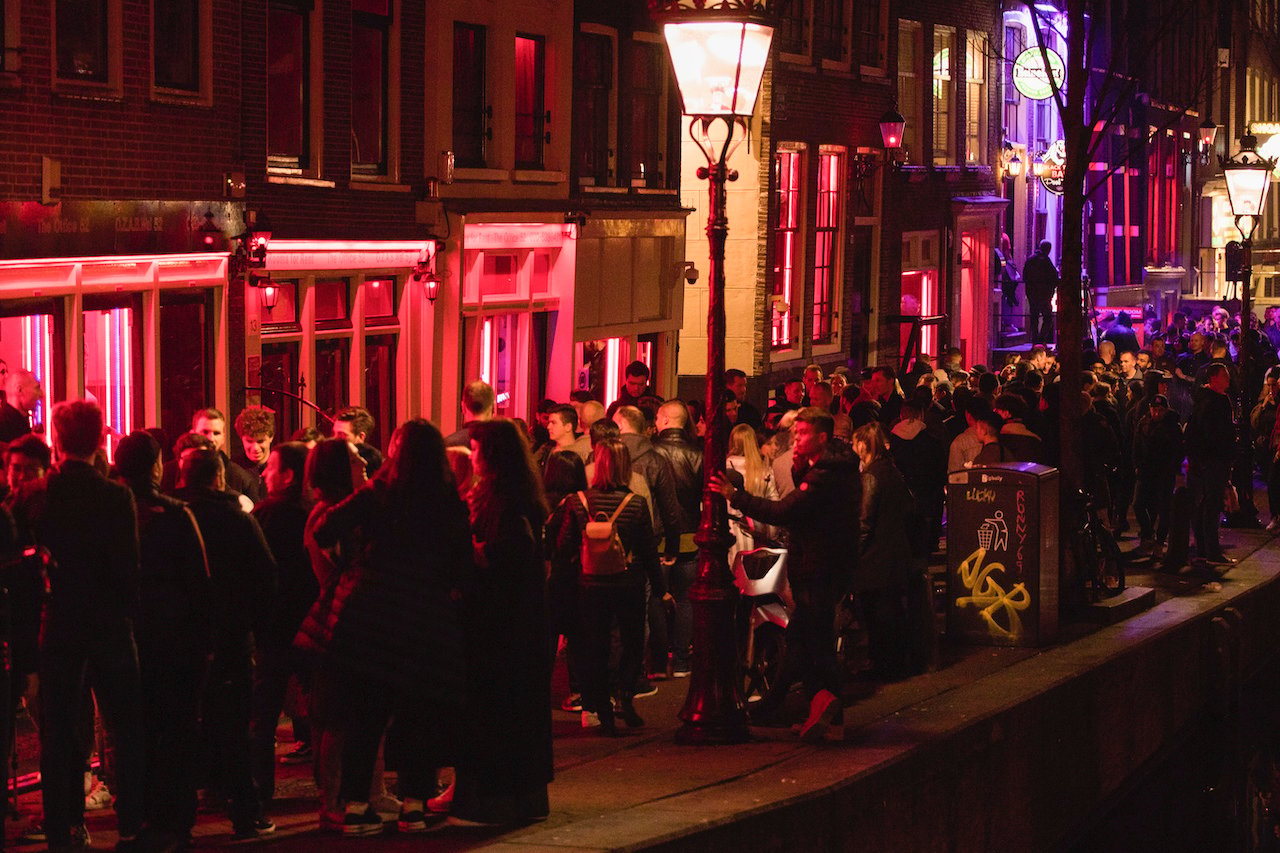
(999,608)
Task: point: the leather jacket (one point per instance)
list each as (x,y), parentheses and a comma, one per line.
(685,459)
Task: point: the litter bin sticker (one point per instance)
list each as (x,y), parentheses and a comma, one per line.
(993,535)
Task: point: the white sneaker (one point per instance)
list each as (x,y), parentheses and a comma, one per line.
(387,807)
(98,798)
(590,719)
(444,802)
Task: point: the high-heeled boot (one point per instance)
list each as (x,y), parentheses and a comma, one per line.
(627,710)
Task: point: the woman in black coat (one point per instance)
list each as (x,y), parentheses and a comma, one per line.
(506,761)
(392,631)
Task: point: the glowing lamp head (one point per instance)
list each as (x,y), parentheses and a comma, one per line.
(210,233)
(1248,178)
(270,295)
(892,125)
(1014,166)
(1208,133)
(718,52)
(431,286)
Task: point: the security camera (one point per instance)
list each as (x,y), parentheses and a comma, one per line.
(690,272)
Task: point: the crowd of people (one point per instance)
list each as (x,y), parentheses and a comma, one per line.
(191,599)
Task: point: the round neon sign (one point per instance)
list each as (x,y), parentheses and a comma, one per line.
(1030,77)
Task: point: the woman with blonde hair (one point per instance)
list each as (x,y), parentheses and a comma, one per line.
(746,458)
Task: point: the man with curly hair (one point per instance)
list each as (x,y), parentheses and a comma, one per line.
(256,426)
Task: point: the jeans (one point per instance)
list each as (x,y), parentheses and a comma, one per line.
(228,702)
(371,705)
(1152,504)
(683,574)
(810,656)
(600,606)
(171,698)
(272,671)
(106,657)
(1207,480)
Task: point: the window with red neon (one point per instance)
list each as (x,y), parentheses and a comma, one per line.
(470,112)
(787,176)
(530,96)
(827,243)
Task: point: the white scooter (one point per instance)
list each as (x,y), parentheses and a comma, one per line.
(761,575)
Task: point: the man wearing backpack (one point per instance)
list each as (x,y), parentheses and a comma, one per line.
(827,497)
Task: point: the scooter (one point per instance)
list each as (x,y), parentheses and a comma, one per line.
(761,575)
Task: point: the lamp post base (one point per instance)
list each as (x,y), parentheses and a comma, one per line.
(713,714)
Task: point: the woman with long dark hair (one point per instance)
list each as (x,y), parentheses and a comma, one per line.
(391,630)
(506,762)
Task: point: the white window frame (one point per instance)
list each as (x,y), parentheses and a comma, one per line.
(113,87)
(611,34)
(313,173)
(392,176)
(912,79)
(948,81)
(977,119)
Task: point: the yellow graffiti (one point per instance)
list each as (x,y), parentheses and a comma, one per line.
(987,593)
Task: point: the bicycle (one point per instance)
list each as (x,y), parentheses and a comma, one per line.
(1099,562)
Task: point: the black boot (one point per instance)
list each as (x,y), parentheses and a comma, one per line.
(607,726)
(627,711)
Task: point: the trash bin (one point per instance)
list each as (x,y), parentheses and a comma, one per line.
(1002,554)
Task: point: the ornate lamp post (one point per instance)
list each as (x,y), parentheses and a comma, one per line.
(1248,178)
(718,52)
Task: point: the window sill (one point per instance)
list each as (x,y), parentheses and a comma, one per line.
(796,59)
(481,175)
(369,184)
(593,188)
(837,66)
(537,176)
(655,191)
(873,73)
(299,181)
(88,91)
(179,98)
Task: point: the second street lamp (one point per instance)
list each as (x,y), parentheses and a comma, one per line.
(718,52)
(1248,178)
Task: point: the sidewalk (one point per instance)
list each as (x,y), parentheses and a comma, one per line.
(929,738)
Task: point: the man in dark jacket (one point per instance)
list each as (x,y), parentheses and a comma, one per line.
(174,638)
(680,558)
(243,575)
(1040,280)
(827,498)
(1211,447)
(665,506)
(90,527)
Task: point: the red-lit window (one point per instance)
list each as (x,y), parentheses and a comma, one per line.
(919,299)
(592,88)
(331,303)
(471,115)
(370,71)
(176,44)
(288,85)
(380,300)
(830,219)
(531,110)
(787,177)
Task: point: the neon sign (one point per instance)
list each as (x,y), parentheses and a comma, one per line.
(1032,79)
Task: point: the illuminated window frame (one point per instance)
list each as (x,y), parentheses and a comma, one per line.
(975,75)
(944,95)
(530,101)
(828,231)
(788,200)
(911,87)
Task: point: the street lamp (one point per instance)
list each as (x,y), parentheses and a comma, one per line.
(1248,178)
(718,49)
